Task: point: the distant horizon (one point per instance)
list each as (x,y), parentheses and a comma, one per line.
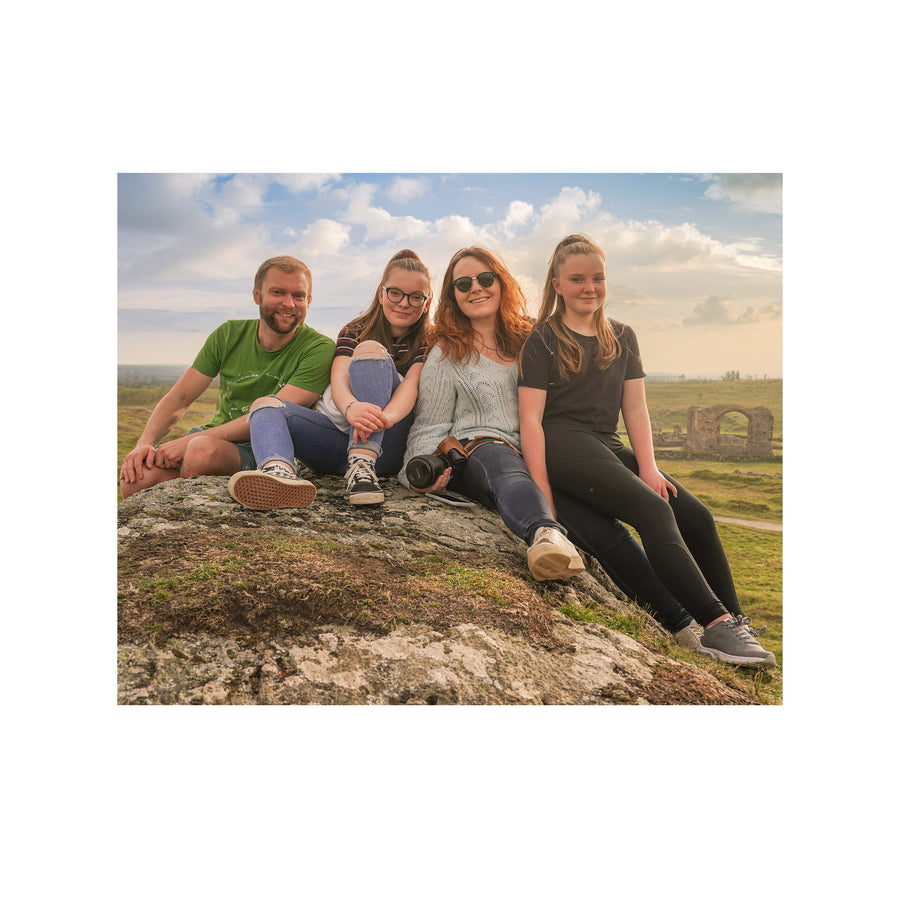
(703,377)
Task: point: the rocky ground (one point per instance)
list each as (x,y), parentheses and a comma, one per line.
(410,602)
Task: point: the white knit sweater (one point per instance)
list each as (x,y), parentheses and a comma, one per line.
(465,400)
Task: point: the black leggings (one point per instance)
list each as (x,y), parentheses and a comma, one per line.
(622,558)
(679,536)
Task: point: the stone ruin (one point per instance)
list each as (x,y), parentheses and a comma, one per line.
(704,436)
(704,432)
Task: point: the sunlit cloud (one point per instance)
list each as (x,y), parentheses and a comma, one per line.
(758,192)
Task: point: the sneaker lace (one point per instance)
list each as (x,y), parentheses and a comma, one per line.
(745,620)
(361,470)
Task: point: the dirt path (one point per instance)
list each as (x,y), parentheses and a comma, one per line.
(765,526)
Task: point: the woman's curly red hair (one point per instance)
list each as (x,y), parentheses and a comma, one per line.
(453,331)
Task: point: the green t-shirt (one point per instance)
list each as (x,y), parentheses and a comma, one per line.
(247,372)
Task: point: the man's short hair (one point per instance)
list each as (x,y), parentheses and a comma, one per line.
(286,264)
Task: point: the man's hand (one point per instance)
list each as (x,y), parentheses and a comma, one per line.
(170,454)
(142,457)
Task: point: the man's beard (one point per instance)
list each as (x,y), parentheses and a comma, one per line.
(270,318)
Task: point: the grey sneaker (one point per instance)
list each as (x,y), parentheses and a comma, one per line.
(363,488)
(689,638)
(274,487)
(733,641)
(552,556)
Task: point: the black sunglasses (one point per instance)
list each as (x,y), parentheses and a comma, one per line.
(464,283)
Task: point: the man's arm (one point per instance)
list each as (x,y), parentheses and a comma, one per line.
(166,414)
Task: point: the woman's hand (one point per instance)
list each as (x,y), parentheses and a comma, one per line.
(439,485)
(658,483)
(366,418)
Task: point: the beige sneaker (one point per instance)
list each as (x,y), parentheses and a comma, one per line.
(552,556)
(689,638)
(274,487)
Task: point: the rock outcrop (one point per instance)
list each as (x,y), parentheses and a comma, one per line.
(410,602)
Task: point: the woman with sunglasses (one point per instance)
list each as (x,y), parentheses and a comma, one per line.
(359,427)
(467,391)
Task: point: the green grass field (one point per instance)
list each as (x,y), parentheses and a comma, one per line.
(669,401)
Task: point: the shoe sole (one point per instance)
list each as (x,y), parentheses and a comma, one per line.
(757,662)
(553,565)
(258,491)
(368,499)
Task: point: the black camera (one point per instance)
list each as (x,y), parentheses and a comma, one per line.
(424,471)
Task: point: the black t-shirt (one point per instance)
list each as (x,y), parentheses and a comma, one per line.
(590,398)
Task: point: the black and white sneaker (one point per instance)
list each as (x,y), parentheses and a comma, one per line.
(274,487)
(363,488)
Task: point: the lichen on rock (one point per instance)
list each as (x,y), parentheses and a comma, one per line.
(410,602)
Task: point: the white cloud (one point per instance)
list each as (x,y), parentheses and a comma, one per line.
(758,192)
(323,238)
(379,224)
(717,310)
(402,190)
(296,184)
(518,215)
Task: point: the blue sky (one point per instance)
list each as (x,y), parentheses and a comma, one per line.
(694,260)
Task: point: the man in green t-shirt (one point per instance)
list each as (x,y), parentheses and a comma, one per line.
(276,354)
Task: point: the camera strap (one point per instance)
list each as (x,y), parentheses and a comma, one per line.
(474,443)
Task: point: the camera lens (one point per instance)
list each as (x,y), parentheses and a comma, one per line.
(424,471)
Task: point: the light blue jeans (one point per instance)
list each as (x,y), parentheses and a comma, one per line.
(284,432)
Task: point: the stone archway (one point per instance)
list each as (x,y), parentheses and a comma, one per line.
(704,431)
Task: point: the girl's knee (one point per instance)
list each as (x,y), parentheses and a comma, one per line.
(263,402)
(370,350)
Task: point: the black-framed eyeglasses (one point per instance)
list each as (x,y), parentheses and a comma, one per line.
(395,295)
(464,283)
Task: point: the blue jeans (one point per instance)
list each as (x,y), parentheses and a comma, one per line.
(497,477)
(284,432)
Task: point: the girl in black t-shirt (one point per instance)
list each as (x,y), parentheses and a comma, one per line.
(578,370)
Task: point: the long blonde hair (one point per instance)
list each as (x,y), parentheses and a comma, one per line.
(372,324)
(569,354)
(453,330)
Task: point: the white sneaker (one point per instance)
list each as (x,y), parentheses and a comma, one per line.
(274,487)
(552,556)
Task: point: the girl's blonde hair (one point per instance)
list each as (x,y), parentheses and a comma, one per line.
(453,330)
(372,324)
(552,309)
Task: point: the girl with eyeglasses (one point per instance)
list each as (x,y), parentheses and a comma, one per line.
(467,390)
(359,427)
(579,369)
